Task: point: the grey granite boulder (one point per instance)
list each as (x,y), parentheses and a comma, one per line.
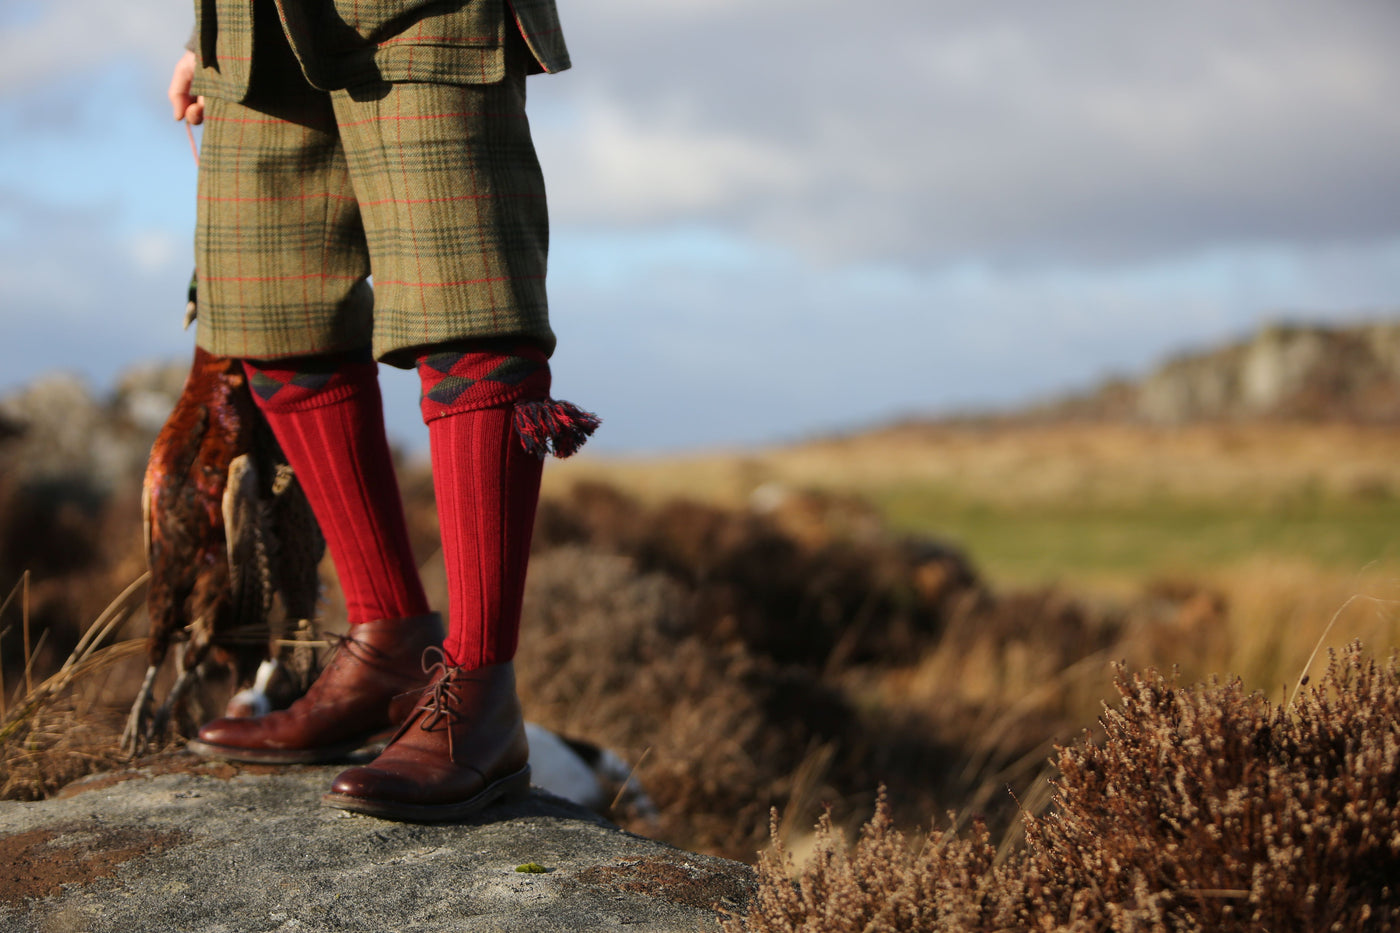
(186,846)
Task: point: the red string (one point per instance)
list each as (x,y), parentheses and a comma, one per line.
(194,150)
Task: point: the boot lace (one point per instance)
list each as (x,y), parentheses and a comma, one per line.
(441,703)
(338,643)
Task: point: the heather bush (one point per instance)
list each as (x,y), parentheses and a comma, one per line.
(1200,808)
(794,599)
(1216,809)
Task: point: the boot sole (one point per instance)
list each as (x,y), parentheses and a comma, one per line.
(346,752)
(511,787)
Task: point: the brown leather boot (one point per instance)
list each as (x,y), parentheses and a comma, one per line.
(370,686)
(461,749)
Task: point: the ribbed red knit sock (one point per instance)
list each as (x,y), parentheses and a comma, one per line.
(328,416)
(490,421)
(487,487)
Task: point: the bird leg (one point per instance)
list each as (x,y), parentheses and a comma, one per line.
(135,737)
(163,716)
(185,678)
(196,714)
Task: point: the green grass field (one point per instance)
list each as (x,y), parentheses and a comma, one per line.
(1078,541)
(1089,504)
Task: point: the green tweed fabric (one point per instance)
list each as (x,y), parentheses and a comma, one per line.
(434,189)
(223,47)
(344,43)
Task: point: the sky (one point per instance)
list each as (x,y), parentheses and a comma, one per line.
(777,219)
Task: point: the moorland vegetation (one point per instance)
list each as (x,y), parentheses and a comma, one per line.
(939,609)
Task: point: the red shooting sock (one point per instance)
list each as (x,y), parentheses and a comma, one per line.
(490,422)
(327,414)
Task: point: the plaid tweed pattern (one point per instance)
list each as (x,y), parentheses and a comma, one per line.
(223,45)
(455,382)
(435,189)
(345,43)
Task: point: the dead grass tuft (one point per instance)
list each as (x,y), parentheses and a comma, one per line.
(63,727)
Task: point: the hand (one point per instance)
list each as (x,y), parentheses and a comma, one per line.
(187,108)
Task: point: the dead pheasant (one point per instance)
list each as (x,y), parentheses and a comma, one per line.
(226,528)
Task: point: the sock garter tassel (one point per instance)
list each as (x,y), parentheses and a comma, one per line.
(548,426)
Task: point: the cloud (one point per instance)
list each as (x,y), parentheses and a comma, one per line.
(51,41)
(1017,131)
(934,132)
(153,250)
(641,171)
(784,346)
(774,218)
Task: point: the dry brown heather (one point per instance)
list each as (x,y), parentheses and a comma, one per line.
(749,661)
(796,658)
(1199,808)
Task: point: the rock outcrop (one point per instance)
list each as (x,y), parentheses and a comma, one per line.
(200,846)
(1285,371)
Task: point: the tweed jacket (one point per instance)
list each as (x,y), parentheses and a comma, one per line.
(343,43)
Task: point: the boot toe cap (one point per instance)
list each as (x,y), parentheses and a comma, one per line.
(361,782)
(228,731)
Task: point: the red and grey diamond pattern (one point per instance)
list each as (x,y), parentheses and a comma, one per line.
(456,381)
(307,381)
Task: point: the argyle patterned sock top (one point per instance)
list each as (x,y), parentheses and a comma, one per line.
(494,375)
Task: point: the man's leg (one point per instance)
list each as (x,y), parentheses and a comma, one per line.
(328,417)
(455,219)
(282,266)
(490,421)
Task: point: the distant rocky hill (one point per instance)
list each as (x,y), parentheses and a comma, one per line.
(1309,372)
